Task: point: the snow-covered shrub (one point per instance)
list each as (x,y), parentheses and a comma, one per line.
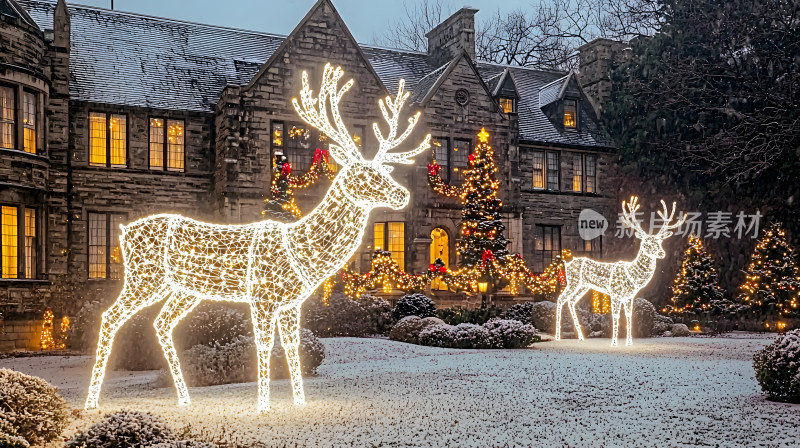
(470,336)
(406,330)
(504,333)
(679,330)
(213,322)
(599,325)
(460,315)
(777,368)
(30,408)
(183,444)
(236,361)
(379,313)
(12,441)
(342,316)
(124,429)
(84,328)
(437,336)
(521,312)
(661,324)
(543,316)
(414,304)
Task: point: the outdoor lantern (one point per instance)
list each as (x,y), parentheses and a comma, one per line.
(483,284)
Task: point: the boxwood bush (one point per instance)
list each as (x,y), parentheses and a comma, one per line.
(777,368)
(30,409)
(414,304)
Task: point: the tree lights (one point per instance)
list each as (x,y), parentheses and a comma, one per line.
(620,280)
(696,288)
(270,265)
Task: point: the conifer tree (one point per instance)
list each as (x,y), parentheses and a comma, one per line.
(696,288)
(280,206)
(772,281)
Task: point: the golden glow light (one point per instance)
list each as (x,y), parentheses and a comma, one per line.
(270,265)
(620,280)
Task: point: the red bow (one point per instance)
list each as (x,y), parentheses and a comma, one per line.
(471,157)
(442,269)
(321,153)
(433,168)
(287,169)
(562,278)
(487,255)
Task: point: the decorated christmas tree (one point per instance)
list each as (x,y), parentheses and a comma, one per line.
(772,280)
(481,226)
(696,288)
(280,206)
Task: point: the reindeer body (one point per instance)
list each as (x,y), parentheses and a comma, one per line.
(621,280)
(272,266)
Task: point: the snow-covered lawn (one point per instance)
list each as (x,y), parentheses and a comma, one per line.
(373,392)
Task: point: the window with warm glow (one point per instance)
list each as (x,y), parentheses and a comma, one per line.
(30,243)
(459,158)
(507,105)
(577,172)
(175,145)
(440,248)
(593,246)
(156,143)
(167,148)
(299,145)
(105,256)
(29,122)
(9,259)
(7,122)
(570,114)
(108,139)
(390,236)
(538,169)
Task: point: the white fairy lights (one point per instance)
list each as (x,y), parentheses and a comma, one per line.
(270,265)
(620,280)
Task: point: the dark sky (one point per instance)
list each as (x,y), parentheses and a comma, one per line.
(365,18)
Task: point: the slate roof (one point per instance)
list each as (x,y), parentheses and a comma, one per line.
(12,10)
(137,60)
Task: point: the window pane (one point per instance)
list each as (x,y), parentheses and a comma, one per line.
(459,158)
(97,138)
(538,169)
(175,145)
(30,243)
(507,104)
(552,170)
(115,259)
(358,136)
(379,236)
(29,121)
(117,126)
(6,117)
(591,174)
(10,236)
(277,134)
(298,147)
(570,114)
(156,143)
(97,245)
(547,245)
(577,172)
(440,248)
(397,242)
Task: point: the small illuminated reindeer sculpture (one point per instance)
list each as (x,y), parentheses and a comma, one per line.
(620,280)
(272,266)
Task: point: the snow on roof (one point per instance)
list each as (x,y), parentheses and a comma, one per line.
(138,60)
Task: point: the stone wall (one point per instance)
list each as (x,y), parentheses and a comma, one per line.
(20,335)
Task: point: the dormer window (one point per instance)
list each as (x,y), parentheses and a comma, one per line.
(508,105)
(570,114)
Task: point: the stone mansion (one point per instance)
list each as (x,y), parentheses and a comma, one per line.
(108,116)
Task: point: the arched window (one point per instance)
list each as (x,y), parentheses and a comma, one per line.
(440,248)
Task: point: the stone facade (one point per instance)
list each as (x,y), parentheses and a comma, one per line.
(229,150)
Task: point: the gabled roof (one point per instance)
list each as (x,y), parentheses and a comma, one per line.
(552,92)
(12,10)
(138,60)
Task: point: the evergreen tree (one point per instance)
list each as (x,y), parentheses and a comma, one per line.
(481,225)
(696,288)
(280,206)
(772,282)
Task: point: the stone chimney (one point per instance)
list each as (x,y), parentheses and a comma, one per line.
(598,59)
(61,26)
(451,37)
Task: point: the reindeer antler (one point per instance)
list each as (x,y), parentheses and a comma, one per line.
(629,215)
(390,108)
(315,110)
(667,219)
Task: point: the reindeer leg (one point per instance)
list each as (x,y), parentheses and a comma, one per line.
(264,332)
(559,306)
(615,308)
(130,301)
(289,330)
(628,314)
(178,306)
(572,303)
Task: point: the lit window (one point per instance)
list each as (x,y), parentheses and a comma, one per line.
(29,121)
(169,147)
(10,244)
(108,139)
(570,114)
(507,104)
(7,124)
(577,172)
(277,134)
(156,143)
(538,169)
(390,236)
(30,243)
(299,146)
(105,257)
(546,245)
(546,170)
(440,248)
(593,246)
(175,145)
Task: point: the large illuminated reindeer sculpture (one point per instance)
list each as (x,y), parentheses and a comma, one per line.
(272,266)
(620,280)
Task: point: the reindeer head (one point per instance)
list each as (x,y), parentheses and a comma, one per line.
(368,183)
(651,244)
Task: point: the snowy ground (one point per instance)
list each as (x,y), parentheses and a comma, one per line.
(371,392)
